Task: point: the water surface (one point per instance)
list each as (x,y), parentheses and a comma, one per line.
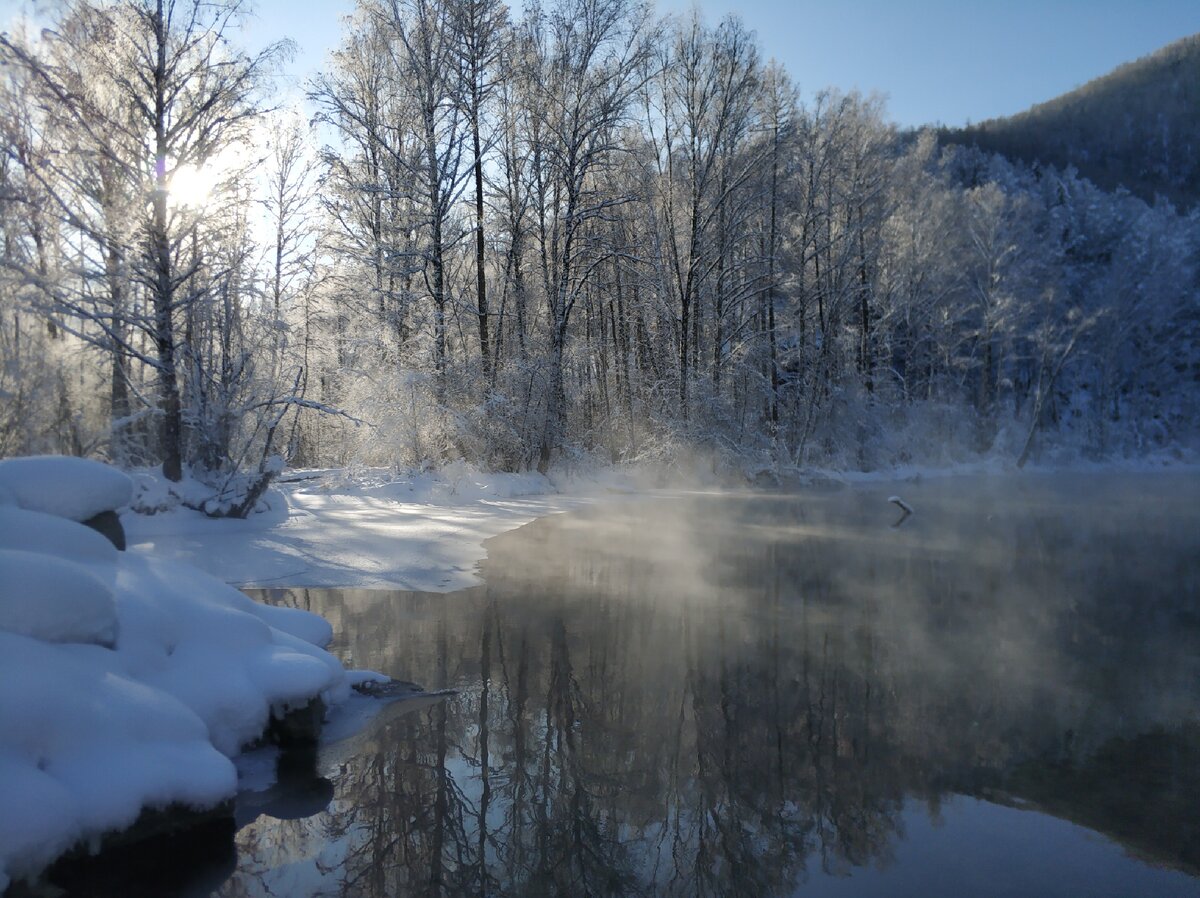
(775,695)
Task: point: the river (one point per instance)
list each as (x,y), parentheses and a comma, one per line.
(770,694)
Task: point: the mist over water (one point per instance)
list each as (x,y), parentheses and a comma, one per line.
(779,694)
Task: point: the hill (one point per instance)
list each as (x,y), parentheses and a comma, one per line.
(1136,127)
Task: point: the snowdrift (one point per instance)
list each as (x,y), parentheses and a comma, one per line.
(127,683)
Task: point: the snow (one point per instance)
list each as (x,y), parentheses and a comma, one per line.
(127,681)
(74,488)
(371,529)
(224,655)
(87,747)
(55,600)
(34,531)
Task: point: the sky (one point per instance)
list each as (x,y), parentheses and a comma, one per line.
(947,61)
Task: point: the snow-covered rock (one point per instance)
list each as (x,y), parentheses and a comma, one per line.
(54,600)
(84,748)
(74,488)
(33,531)
(127,682)
(214,649)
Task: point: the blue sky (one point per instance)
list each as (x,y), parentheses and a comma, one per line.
(954,60)
(944,61)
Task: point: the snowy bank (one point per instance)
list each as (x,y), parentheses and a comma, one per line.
(375,528)
(370,528)
(127,682)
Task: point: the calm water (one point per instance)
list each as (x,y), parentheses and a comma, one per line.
(776,695)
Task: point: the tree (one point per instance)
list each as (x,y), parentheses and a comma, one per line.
(591,58)
(480,28)
(422,51)
(146,90)
(706,93)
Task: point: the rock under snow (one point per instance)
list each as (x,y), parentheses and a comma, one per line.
(33,531)
(84,748)
(212,647)
(74,488)
(126,682)
(54,600)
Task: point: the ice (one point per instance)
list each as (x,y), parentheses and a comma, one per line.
(74,488)
(361,677)
(371,529)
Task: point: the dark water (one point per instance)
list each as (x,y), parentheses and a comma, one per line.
(778,695)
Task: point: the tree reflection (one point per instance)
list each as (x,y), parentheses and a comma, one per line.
(715,696)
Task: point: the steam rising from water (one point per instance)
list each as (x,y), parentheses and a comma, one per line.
(735,694)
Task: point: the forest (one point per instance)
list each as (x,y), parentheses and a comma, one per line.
(1132,128)
(580,234)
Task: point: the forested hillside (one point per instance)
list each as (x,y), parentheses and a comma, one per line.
(577,233)
(1136,127)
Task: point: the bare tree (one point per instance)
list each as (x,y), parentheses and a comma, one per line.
(480,28)
(422,51)
(706,91)
(592,58)
(148,80)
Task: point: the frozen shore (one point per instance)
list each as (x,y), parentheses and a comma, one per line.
(378,529)
(130,680)
(374,530)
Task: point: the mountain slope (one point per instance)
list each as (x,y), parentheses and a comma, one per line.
(1137,127)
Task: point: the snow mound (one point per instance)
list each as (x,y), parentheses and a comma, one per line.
(73,488)
(33,531)
(214,649)
(84,748)
(309,627)
(127,682)
(54,600)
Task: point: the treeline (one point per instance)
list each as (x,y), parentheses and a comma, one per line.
(580,232)
(1135,127)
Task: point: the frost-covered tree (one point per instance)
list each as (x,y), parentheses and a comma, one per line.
(591,58)
(142,95)
(540,235)
(701,108)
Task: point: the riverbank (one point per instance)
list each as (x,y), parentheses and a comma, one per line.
(216,667)
(369,529)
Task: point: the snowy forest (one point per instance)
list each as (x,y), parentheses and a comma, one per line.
(581,233)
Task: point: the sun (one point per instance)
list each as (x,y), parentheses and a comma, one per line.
(191,186)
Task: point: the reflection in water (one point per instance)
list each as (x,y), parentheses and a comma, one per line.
(755,695)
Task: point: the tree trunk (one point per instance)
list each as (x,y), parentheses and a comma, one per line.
(171,434)
(555,399)
(480,276)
